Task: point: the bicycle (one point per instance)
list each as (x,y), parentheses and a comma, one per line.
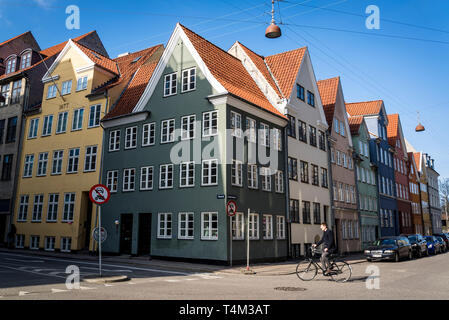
(307,269)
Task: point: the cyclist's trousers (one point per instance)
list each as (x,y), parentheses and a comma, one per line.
(325,259)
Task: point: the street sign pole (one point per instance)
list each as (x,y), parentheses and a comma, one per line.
(99,238)
(247,243)
(230,237)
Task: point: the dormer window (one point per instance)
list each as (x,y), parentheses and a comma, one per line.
(25,60)
(11,65)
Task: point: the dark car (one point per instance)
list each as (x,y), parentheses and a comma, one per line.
(445,238)
(433,245)
(389,248)
(443,247)
(419,245)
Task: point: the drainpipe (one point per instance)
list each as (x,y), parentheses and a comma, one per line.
(331,183)
(287,194)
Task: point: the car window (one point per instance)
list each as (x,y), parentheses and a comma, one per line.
(385,242)
(413,238)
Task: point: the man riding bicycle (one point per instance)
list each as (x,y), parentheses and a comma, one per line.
(328,246)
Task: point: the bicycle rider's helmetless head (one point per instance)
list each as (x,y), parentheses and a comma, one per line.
(323,226)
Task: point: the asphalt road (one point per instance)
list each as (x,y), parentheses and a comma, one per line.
(29,277)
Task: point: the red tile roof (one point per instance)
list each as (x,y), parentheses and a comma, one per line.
(328,92)
(392,128)
(364,108)
(354,124)
(285,68)
(418,157)
(259,61)
(230,72)
(100,60)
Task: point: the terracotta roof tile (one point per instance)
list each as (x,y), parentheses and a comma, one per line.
(364,108)
(392,128)
(98,59)
(418,157)
(230,72)
(285,67)
(328,92)
(354,124)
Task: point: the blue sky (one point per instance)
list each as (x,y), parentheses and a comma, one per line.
(409,75)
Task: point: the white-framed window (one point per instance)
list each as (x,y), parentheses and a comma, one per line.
(51,91)
(251,130)
(46,128)
(148,134)
(129,179)
(50,243)
(185,225)
(20,241)
(5,94)
(94,116)
(342,128)
(210,123)
(279,182)
(25,60)
(37,207)
(77,122)
(236,173)
(336,125)
(69,207)
(209,172)
(238,226)
(254,226)
(188,79)
(114,140)
(188,127)
(187,174)
(28,168)
(130,137)
(146,178)
(252,176)
(164,230)
(42,164)
(34,242)
(73,159)
(66,87)
(11,65)
(267,221)
(23,208)
(170,84)
(280,222)
(166,176)
(112,180)
(66,244)
(168,131)
(264,134)
(236,124)
(32,131)
(90,159)
(62,122)
(81,83)
(277,137)
(266,178)
(209,226)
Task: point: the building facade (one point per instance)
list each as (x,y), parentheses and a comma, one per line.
(344,205)
(424,195)
(434,194)
(382,156)
(367,191)
(415,194)
(288,81)
(197,101)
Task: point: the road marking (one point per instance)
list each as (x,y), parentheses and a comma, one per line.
(191,279)
(58,290)
(107,270)
(23,269)
(108,285)
(106,265)
(23,293)
(86,288)
(173,280)
(24,260)
(131,282)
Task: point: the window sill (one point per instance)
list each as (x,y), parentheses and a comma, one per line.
(148,145)
(209,239)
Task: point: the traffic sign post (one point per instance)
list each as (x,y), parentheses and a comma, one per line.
(231,209)
(99,194)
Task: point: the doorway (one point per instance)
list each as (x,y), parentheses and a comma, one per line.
(88,222)
(144,244)
(126,233)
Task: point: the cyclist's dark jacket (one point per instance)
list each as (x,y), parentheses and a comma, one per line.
(328,240)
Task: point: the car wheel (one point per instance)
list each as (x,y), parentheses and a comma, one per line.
(369,260)
(410,255)
(419,253)
(396,257)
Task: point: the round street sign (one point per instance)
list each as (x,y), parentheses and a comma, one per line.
(99,194)
(95,234)
(231,208)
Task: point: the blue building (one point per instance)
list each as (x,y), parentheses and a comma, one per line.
(382,157)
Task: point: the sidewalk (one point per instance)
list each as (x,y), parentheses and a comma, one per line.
(261,269)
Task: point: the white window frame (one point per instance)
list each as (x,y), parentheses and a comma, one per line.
(280,222)
(62,122)
(94,118)
(42,164)
(210,125)
(38,206)
(33,129)
(189,79)
(74,159)
(81,83)
(164,232)
(188,124)
(187,171)
(47,125)
(253,176)
(266,178)
(129,179)
(238,226)
(164,176)
(279,181)
(146,178)
(264,134)
(212,233)
(90,159)
(68,212)
(51,91)
(114,140)
(237,173)
(183,230)
(20,241)
(169,126)
(112,180)
(77,121)
(267,223)
(34,245)
(22,214)
(172,80)
(253,226)
(131,138)
(28,166)
(66,244)
(50,243)
(148,134)
(236,124)
(66,87)
(209,176)
(251,130)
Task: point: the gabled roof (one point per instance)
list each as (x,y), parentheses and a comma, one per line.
(418,160)
(14,38)
(99,60)
(230,72)
(354,124)
(392,128)
(328,92)
(285,68)
(364,108)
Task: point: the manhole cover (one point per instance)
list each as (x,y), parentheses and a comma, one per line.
(290,289)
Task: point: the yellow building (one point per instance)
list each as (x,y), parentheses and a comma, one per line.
(62,145)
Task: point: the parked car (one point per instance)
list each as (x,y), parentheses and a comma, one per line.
(433,245)
(389,248)
(419,245)
(443,247)
(445,238)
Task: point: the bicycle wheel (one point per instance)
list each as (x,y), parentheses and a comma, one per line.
(340,271)
(306,270)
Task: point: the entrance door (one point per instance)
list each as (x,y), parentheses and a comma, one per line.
(143,247)
(3,227)
(88,221)
(126,233)
(337,234)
